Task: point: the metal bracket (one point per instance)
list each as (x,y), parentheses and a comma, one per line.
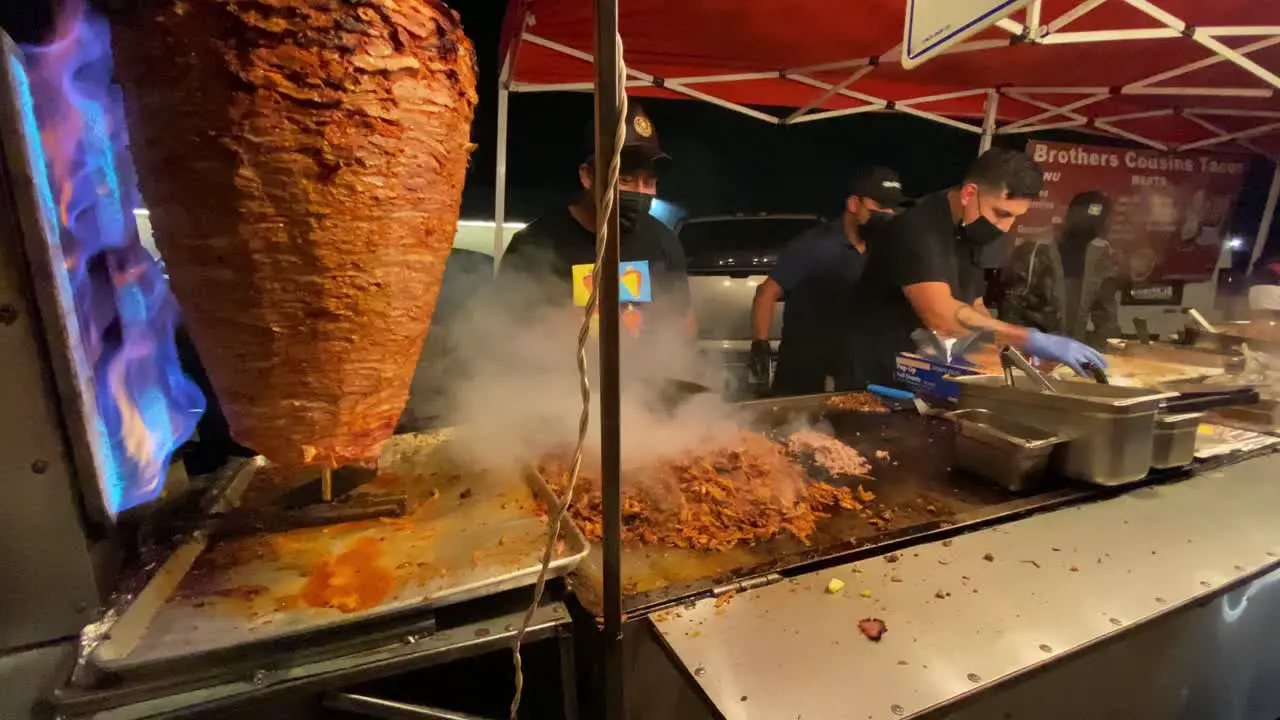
(750,583)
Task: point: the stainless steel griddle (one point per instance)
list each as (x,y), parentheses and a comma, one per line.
(468,534)
(916,487)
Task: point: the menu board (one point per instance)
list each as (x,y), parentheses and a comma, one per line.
(1169,211)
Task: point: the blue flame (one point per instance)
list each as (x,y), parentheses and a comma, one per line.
(146,406)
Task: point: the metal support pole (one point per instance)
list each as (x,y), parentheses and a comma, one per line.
(500,173)
(1268,214)
(995,254)
(1178,25)
(608,100)
(989,121)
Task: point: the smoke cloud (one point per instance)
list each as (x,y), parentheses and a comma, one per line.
(502,371)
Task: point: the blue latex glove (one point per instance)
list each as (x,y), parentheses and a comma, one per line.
(1072,353)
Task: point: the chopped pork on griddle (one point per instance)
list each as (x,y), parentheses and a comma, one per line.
(710,500)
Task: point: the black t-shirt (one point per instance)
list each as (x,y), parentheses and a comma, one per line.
(543,255)
(816,271)
(920,245)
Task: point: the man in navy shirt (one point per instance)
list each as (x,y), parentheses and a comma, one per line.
(813,273)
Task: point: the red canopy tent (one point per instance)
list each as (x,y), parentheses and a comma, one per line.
(1174,75)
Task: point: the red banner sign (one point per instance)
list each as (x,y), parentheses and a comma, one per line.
(1168,212)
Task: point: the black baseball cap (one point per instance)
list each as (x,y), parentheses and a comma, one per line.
(641,138)
(880,184)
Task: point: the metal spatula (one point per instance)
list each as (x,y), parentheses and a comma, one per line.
(673,392)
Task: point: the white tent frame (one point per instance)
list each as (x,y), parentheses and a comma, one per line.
(1054,116)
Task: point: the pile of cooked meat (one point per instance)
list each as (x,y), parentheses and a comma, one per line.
(863,402)
(828,453)
(748,492)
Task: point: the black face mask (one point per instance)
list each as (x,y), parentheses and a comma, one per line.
(980,232)
(631,206)
(874,224)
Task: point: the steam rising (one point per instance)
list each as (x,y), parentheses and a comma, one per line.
(504,370)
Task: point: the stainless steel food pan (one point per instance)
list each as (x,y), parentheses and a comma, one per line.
(1110,429)
(1175,440)
(1014,455)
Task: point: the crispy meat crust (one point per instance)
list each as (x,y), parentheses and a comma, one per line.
(712,500)
(303,161)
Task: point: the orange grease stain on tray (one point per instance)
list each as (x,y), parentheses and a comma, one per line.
(352,581)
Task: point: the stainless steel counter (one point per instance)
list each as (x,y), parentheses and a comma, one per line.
(966,614)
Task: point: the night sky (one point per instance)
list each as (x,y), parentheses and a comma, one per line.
(723,161)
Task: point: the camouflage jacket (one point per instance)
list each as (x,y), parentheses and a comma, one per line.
(1038,295)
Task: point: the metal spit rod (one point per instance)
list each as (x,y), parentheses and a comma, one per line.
(326,484)
(373,707)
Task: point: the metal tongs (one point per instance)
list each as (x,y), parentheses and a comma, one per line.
(1011,358)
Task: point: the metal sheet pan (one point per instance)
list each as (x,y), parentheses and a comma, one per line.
(1262,417)
(469,533)
(916,486)
(1136,366)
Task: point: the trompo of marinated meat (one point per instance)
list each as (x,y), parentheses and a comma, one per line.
(303,162)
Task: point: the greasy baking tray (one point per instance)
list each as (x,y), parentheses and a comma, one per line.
(916,486)
(469,533)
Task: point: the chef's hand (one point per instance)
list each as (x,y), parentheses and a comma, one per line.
(760,362)
(1075,355)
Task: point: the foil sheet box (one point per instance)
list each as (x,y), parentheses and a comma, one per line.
(930,376)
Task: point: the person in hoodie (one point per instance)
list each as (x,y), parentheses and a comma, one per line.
(1070,284)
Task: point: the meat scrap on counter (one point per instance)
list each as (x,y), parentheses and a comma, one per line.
(708,500)
(863,402)
(873,628)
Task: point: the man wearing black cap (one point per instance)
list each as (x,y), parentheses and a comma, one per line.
(924,271)
(814,271)
(558,249)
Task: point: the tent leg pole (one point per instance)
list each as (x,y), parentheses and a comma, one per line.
(608,97)
(989,121)
(995,254)
(1268,214)
(500,171)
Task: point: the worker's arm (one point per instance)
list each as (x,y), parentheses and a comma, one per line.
(766,299)
(796,265)
(944,314)
(981,307)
